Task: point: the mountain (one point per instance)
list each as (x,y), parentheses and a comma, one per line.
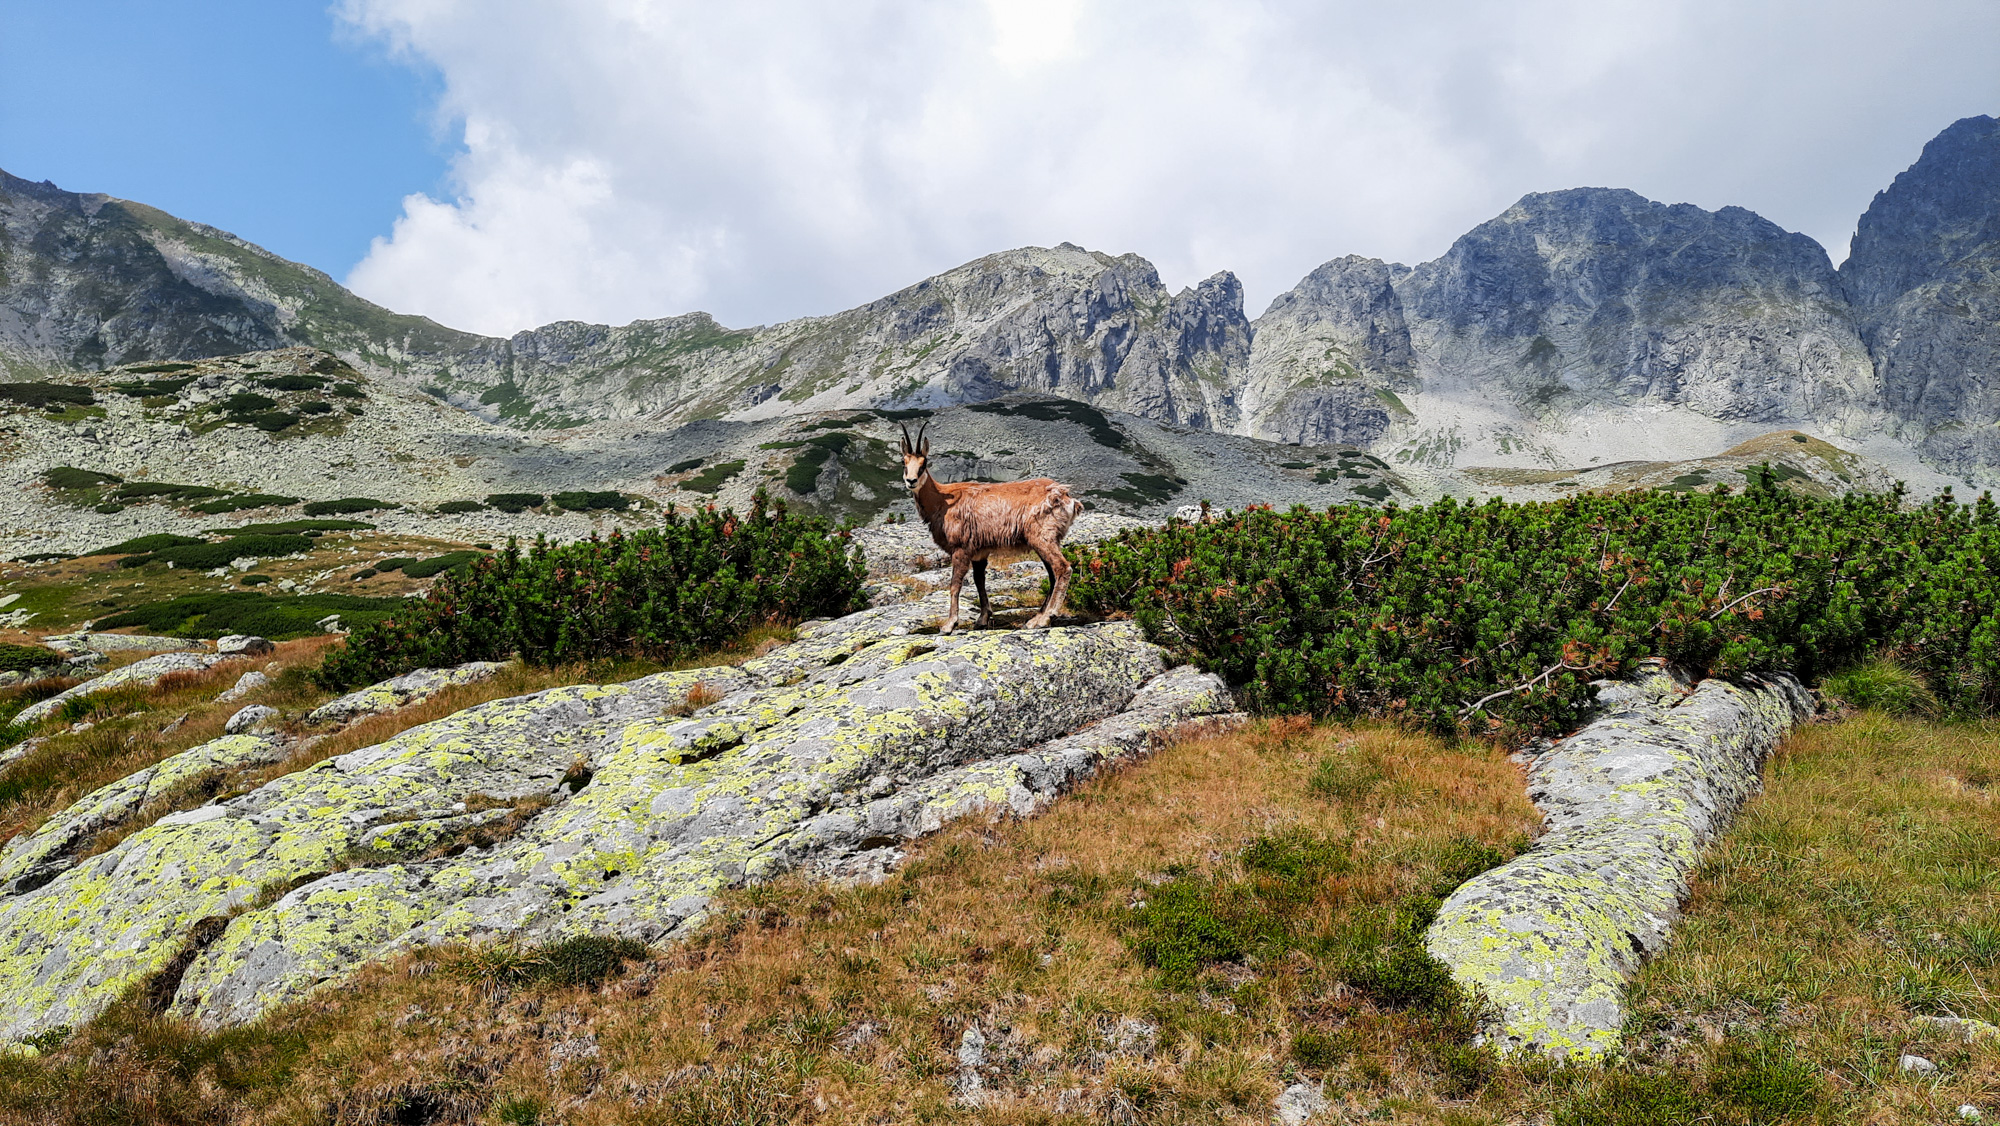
(1547,333)
(1578,327)
(88,281)
(1924,279)
(1062,321)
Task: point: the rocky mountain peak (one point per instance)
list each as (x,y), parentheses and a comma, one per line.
(1939,210)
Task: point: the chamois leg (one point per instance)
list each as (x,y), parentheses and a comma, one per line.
(959,562)
(979,581)
(1058,568)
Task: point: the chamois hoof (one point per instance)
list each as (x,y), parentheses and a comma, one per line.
(1039,621)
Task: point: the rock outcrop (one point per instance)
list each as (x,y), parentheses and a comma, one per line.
(147,671)
(401,691)
(33,859)
(1924,278)
(590,809)
(1329,356)
(1552,937)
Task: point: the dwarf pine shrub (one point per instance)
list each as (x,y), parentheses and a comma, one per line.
(1495,617)
(687,586)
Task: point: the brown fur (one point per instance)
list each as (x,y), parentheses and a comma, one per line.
(977,522)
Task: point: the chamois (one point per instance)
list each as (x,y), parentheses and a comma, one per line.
(973,521)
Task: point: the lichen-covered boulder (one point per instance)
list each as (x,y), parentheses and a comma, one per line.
(683,807)
(401,691)
(1553,936)
(243,645)
(76,644)
(247,683)
(627,813)
(33,859)
(146,671)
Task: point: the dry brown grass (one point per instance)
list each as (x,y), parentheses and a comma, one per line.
(807,1003)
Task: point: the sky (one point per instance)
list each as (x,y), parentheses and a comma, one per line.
(499,164)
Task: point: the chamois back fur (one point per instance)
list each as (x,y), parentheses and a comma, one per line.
(982,517)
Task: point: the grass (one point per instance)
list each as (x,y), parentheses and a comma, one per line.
(1856,894)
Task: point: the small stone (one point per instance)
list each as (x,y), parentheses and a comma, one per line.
(242,645)
(287,585)
(1300,1102)
(1969,1112)
(248,718)
(247,683)
(330,624)
(1916,1065)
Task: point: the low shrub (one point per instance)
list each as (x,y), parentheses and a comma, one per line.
(515,502)
(164,490)
(23,658)
(295,382)
(239,503)
(348,391)
(273,421)
(255,580)
(687,466)
(684,587)
(242,611)
(68,477)
(346,504)
(315,408)
(1494,618)
(248,402)
(579,500)
(153,388)
(293,528)
(438,564)
(143,544)
(44,395)
(207,556)
(712,479)
(457,507)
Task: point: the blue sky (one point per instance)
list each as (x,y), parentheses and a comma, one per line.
(500,164)
(265,117)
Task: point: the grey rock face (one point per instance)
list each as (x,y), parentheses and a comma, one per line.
(1062,321)
(247,683)
(1924,278)
(1553,936)
(1596,297)
(1328,357)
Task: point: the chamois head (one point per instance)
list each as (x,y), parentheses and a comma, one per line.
(916,456)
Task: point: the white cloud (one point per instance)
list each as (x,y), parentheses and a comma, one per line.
(777,158)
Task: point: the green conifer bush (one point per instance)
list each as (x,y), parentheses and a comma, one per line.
(1495,617)
(689,585)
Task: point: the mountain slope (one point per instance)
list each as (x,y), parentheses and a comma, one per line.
(1924,279)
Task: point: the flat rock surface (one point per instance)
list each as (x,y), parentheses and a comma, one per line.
(1553,936)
